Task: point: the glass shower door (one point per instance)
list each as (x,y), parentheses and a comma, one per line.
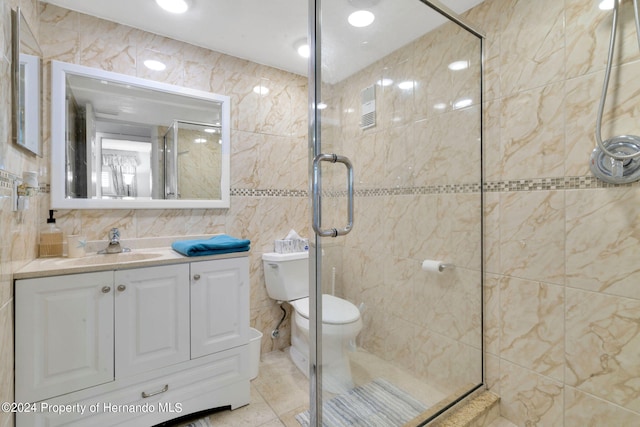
(395,139)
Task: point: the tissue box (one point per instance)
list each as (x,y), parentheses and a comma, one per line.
(287,246)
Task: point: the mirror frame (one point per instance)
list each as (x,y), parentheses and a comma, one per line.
(59,71)
(30,137)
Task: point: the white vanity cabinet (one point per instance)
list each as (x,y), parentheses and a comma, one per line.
(151,318)
(64,334)
(219,319)
(172,338)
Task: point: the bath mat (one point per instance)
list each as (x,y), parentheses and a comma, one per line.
(376,404)
(203,422)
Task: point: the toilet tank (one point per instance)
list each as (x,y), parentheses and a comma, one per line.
(286,275)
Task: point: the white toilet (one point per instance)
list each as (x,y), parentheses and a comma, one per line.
(287,279)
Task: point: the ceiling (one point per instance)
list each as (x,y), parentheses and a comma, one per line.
(265,31)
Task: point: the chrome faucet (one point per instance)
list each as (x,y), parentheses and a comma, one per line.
(114,243)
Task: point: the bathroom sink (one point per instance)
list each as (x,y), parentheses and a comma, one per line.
(108,259)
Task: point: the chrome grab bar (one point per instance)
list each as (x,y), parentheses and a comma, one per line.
(333,158)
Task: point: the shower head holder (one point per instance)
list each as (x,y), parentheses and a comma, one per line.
(615,170)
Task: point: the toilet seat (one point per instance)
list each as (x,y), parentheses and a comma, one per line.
(335,311)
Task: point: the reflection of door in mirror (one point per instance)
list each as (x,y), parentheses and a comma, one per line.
(76,154)
(190,148)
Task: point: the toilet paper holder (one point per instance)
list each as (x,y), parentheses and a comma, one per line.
(436,266)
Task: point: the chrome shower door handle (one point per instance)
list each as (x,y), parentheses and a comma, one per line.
(317,195)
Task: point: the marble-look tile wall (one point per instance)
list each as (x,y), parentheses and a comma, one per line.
(418,196)
(18,230)
(561,301)
(268,140)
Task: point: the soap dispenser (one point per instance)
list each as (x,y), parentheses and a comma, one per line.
(50,238)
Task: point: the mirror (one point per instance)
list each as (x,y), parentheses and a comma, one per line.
(27,78)
(125,142)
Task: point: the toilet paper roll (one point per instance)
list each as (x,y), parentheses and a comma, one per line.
(433,266)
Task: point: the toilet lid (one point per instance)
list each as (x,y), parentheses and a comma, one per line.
(334,310)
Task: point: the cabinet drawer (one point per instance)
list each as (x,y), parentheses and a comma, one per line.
(216,381)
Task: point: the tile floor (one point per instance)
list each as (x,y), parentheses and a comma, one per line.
(280,391)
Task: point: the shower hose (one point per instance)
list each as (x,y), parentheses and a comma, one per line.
(603,97)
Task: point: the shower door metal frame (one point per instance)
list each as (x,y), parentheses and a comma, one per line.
(315,188)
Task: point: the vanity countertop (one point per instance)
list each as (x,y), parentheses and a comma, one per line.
(141,257)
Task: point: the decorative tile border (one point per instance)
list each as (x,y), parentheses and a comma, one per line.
(6,182)
(534,184)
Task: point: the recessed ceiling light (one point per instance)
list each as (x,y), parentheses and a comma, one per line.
(321,105)
(210,130)
(173,6)
(459,65)
(384,82)
(304,51)
(465,102)
(407,85)
(154,65)
(261,90)
(440,106)
(361,18)
(200,140)
(606,4)
(302,47)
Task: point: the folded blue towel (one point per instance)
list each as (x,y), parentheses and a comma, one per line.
(221,244)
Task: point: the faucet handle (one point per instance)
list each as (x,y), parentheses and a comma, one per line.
(114,235)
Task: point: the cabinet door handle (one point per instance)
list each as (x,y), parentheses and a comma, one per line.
(145,394)
(196,277)
(106,289)
(121,288)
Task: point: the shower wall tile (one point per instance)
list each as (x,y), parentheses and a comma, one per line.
(492,149)
(600,234)
(486,18)
(492,313)
(491,230)
(454,313)
(399,159)
(529,337)
(532,240)
(368,231)
(367,153)
(528,398)
(441,142)
(588,30)
(463,247)
(532,44)
(602,346)
(582,409)
(446,362)
(532,139)
(363,277)
(397,103)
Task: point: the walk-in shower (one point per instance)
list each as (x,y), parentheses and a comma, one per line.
(390,192)
(617,159)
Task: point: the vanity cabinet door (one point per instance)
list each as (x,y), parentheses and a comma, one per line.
(64,334)
(219,305)
(152,318)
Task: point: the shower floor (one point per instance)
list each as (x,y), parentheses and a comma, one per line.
(280,391)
